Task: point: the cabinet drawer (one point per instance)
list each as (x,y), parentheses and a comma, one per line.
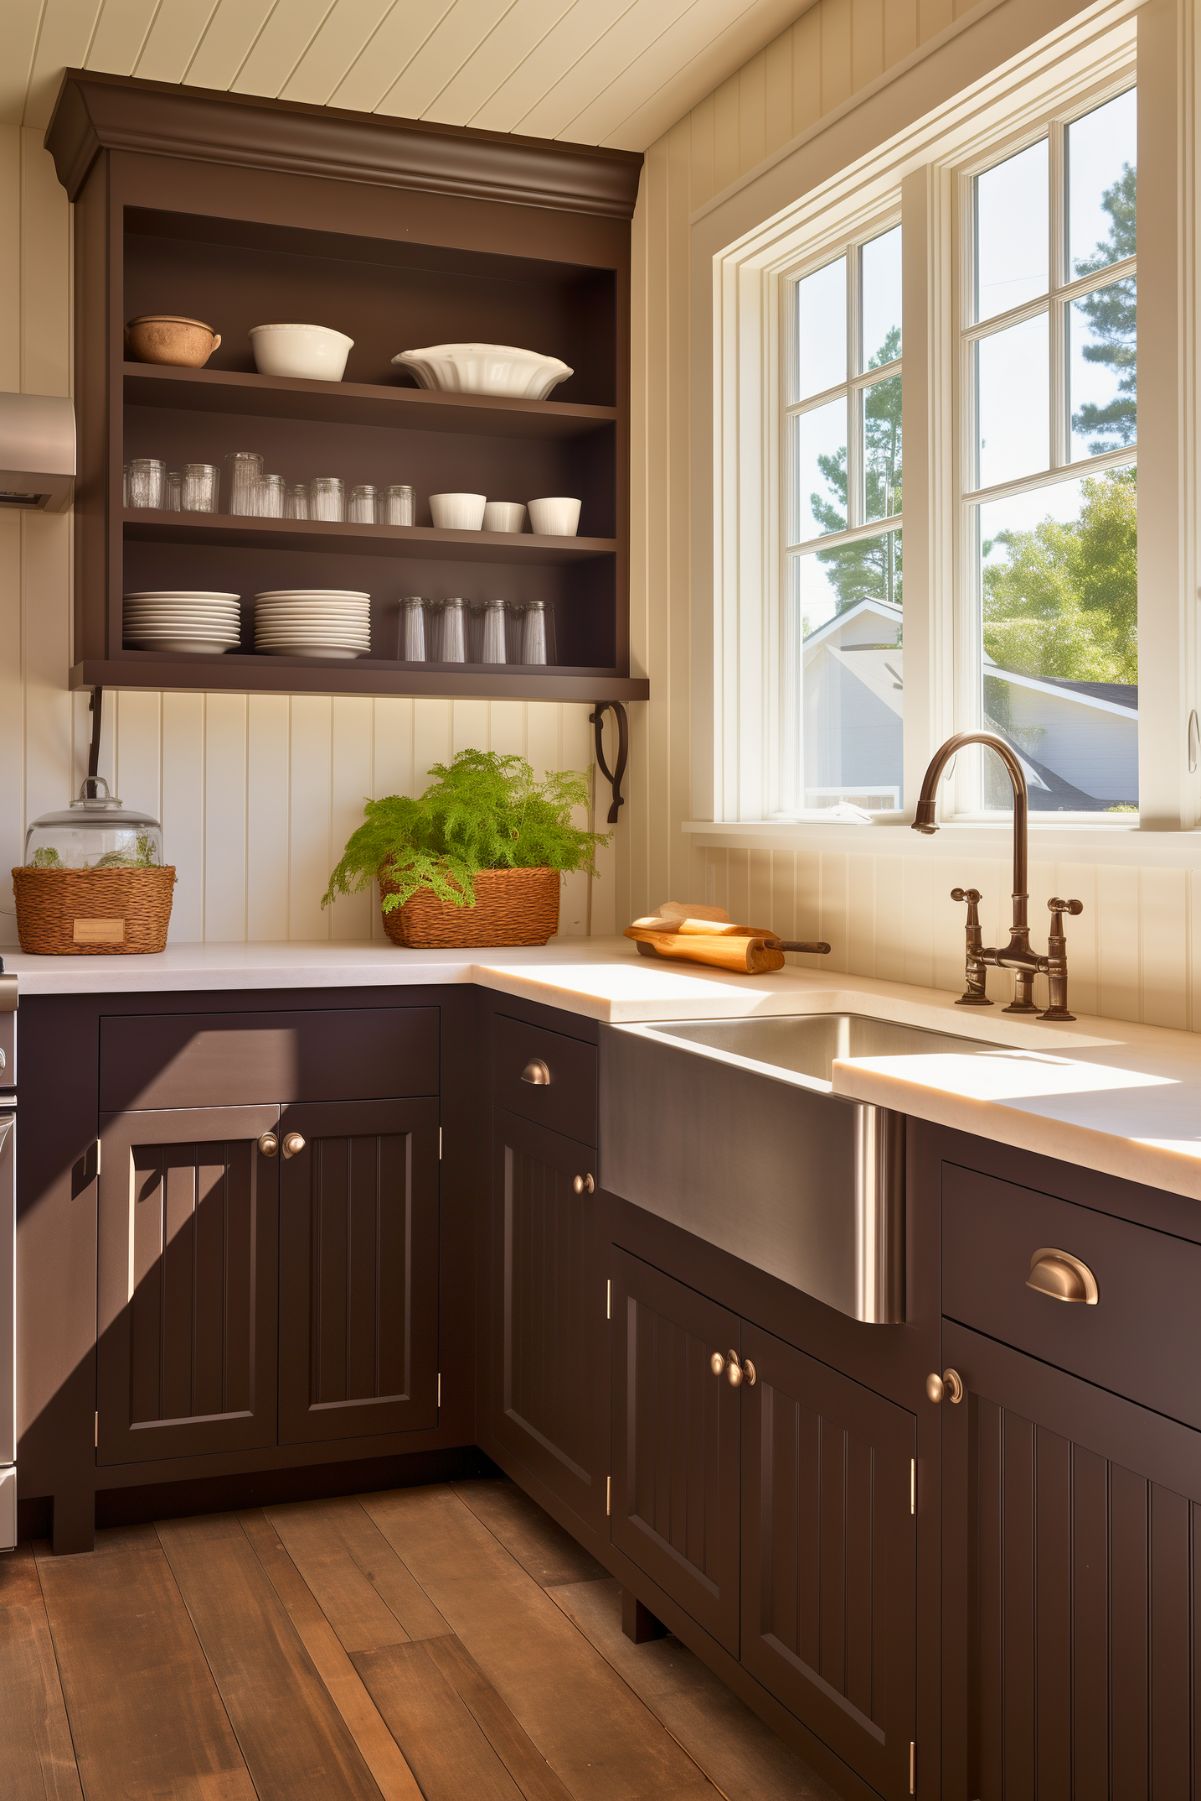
(565,1098)
(1141,1338)
(227,1059)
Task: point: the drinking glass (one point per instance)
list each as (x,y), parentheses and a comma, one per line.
(296,501)
(325,497)
(147,482)
(398,505)
(412,649)
(452,646)
(493,648)
(533,633)
(362,504)
(199,493)
(243,469)
(269,499)
(173,491)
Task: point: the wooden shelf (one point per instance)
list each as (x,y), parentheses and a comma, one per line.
(358,403)
(249,674)
(420,542)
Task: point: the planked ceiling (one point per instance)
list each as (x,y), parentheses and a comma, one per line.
(614,72)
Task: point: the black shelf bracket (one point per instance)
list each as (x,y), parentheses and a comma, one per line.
(615,776)
(96,709)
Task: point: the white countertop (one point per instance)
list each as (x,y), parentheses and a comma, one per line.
(1110,1095)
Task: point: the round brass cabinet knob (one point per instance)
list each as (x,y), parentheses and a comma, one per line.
(584,1184)
(269,1144)
(293,1144)
(717,1363)
(735,1374)
(947,1387)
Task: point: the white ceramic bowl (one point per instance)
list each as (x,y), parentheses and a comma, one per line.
(458,512)
(312,352)
(504,516)
(485,369)
(555,516)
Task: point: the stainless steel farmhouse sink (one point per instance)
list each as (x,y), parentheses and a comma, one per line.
(730,1129)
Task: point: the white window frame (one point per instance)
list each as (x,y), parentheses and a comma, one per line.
(906,140)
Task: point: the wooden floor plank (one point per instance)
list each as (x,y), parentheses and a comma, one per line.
(738,1753)
(540,1545)
(145,1716)
(365,1592)
(381,1754)
(293,1739)
(38,1757)
(601,1741)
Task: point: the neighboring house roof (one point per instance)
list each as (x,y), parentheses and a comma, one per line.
(1122,694)
(837,622)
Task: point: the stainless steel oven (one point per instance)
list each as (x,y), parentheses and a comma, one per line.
(8,1251)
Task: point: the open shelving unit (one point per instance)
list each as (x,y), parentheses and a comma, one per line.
(242,211)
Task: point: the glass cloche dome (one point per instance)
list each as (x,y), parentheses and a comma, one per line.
(94,832)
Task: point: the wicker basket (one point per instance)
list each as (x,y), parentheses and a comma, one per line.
(512,906)
(93,912)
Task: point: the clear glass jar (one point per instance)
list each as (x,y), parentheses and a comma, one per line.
(243,472)
(492,649)
(533,633)
(325,497)
(413,637)
(362,504)
(269,497)
(147,482)
(200,482)
(173,492)
(399,506)
(452,631)
(95,832)
(296,501)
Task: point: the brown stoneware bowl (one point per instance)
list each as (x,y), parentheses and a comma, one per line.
(163,338)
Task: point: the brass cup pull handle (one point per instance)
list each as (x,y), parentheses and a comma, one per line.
(269,1144)
(585,1184)
(717,1363)
(293,1144)
(1062,1277)
(947,1387)
(536,1073)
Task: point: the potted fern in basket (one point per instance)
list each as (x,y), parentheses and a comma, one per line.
(477,859)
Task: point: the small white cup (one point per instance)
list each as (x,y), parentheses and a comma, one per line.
(458,512)
(504,516)
(556,516)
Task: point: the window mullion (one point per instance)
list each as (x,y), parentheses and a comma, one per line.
(855,507)
(1057,312)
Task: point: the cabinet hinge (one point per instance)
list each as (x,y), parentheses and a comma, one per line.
(913,1485)
(609,1299)
(439,1388)
(439,1144)
(608,1496)
(912,1768)
(96,1430)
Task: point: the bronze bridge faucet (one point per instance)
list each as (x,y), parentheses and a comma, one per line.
(1017,954)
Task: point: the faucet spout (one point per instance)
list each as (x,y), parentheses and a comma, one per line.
(925,814)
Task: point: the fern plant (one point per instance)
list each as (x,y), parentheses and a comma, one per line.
(481,811)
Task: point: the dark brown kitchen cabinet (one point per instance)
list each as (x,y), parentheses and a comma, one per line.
(1071,1588)
(546,1393)
(358,1309)
(186,1350)
(829,1554)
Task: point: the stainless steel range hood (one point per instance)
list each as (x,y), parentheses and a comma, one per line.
(37,451)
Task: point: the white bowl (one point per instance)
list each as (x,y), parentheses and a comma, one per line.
(485,369)
(555,516)
(458,512)
(504,516)
(312,352)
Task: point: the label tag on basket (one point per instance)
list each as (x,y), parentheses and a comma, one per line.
(99,931)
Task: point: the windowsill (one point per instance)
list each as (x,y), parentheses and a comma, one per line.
(1060,842)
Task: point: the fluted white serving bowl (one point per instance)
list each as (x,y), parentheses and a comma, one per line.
(458,512)
(555,516)
(485,369)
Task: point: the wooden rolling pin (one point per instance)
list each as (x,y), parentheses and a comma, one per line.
(718,942)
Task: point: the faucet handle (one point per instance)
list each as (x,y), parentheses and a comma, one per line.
(1074,907)
(974,994)
(971,895)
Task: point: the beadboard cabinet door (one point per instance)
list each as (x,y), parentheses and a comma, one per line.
(1071,1588)
(358,1308)
(186,1349)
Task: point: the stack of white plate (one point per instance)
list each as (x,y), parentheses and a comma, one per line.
(182,620)
(312,622)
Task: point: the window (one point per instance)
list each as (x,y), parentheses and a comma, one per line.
(842,578)
(1047,577)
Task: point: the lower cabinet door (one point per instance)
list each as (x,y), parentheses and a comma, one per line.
(675,1442)
(829,1555)
(546,1388)
(358,1265)
(1071,1587)
(186,1344)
